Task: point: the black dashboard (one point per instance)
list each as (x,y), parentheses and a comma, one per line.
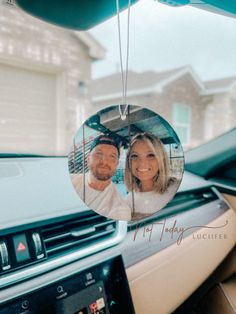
(99,289)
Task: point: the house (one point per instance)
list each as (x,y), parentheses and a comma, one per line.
(219,99)
(44,81)
(46,89)
(177,95)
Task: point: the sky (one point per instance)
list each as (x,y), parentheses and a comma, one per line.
(162,38)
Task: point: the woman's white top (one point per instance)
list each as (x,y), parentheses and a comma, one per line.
(148,203)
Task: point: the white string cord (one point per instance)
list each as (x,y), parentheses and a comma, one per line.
(124,107)
(124,77)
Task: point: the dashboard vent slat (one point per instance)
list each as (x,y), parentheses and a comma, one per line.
(77,233)
(180,203)
(57,237)
(77,242)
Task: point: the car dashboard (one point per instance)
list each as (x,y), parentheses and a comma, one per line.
(57,256)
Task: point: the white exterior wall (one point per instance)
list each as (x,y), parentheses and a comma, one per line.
(30,47)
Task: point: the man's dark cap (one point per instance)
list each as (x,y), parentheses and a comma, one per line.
(105,139)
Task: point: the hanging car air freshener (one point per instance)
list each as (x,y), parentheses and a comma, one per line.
(127,161)
(126,169)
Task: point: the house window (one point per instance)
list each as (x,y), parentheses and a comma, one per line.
(181,119)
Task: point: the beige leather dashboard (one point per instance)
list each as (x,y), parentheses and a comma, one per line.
(161,282)
(231,199)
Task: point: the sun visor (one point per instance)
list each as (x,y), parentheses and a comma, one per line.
(77,15)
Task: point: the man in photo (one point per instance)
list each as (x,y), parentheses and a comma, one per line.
(96,188)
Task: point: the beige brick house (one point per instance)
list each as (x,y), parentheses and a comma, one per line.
(46,90)
(197,110)
(45,72)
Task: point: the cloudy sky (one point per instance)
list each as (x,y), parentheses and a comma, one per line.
(162,38)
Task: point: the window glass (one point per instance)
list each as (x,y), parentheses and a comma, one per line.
(52,79)
(181,121)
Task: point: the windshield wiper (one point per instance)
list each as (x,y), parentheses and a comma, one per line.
(15,155)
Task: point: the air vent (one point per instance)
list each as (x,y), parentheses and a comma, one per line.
(190,200)
(181,203)
(68,239)
(77,233)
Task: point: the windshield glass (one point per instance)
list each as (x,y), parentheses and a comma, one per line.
(181,65)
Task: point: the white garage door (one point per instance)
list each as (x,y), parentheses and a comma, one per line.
(27,111)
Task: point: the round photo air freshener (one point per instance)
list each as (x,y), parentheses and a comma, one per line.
(129,168)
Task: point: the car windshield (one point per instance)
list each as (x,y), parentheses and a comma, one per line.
(181,65)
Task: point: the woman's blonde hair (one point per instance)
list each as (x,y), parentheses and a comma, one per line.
(162,179)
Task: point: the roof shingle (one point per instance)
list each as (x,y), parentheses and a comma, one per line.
(112,83)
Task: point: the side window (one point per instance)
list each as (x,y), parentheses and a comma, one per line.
(181,122)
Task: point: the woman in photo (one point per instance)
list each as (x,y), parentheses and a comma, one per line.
(147,176)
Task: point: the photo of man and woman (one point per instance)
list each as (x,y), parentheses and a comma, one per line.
(126,169)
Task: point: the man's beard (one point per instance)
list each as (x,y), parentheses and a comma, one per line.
(101,176)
